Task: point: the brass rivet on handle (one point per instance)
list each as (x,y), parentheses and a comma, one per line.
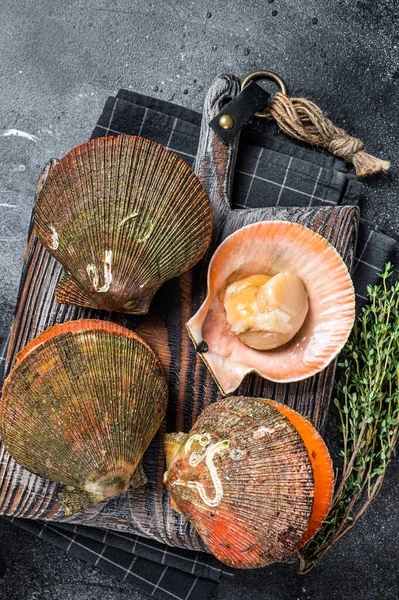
(226,122)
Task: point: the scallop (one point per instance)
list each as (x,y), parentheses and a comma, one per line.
(80,407)
(280,302)
(253,477)
(266,312)
(123,215)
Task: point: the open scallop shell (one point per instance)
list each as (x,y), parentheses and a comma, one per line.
(244,479)
(123,215)
(271,247)
(80,407)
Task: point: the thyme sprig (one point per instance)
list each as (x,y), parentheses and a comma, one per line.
(368,406)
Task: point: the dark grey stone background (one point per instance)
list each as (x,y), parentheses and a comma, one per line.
(60,59)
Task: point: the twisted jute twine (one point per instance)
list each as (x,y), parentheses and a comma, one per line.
(305,121)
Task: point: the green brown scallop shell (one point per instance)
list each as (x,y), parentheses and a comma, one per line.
(81,406)
(123,215)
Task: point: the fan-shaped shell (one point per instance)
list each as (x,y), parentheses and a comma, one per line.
(81,405)
(123,215)
(244,479)
(322,466)
(272,247)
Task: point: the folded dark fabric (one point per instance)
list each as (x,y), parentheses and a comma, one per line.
(374,249)
(126,559)
(271,171)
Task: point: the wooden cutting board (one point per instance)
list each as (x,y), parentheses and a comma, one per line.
(146,510)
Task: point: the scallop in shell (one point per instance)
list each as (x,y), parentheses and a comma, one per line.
(123,215)
(246,479)
(323,309)
(80,407)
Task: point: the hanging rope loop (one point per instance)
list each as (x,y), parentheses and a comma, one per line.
(304,120)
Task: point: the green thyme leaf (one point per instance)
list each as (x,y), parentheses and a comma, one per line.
(368,404)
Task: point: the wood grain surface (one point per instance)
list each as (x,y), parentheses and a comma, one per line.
(146,510)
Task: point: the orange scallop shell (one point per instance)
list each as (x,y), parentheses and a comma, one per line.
(322,466)
(271,247)
(244,479)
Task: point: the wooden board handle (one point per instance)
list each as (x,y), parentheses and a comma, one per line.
(216,161)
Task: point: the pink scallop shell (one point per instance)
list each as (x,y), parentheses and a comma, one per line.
(271,247)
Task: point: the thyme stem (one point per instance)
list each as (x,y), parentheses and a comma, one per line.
(368,407)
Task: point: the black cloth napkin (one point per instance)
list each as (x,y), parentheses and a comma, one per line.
(271,170)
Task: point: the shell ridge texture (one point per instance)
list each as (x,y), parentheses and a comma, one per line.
(268,248)
(244,480)
(82,404)
(127,215)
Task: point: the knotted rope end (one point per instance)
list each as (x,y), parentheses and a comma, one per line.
(366,164)
(304,120)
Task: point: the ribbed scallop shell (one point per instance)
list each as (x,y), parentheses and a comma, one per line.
(271,247)
(122,215)
(244,479)
(80,407)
